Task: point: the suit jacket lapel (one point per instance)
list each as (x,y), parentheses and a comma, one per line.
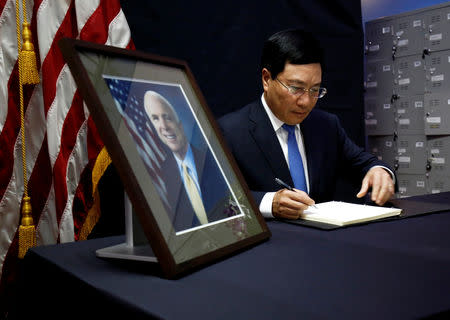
(265,138)
(182,212)
(199,161)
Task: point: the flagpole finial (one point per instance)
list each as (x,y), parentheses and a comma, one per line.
(30,75)
(27,231)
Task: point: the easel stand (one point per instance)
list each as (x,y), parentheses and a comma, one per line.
(127,250)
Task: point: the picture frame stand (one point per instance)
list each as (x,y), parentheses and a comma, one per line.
(127,250)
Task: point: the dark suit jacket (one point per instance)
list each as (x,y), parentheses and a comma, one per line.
(215,192)
(253,142)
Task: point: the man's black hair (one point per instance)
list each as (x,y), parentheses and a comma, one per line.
(293,46)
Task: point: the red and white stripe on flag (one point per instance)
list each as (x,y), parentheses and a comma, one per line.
(62,143)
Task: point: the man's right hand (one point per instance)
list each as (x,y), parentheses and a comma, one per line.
(289,204)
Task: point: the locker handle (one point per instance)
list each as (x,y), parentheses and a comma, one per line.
(393,98)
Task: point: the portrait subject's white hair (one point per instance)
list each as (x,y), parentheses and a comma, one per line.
(150,94)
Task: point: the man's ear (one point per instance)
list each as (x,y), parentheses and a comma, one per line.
(266,76)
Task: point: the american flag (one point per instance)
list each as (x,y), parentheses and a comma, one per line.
(61,139)
(138,124)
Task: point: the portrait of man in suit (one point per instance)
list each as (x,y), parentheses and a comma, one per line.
(197,191)
(283,136)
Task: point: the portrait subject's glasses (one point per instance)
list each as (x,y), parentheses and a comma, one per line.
(316,93)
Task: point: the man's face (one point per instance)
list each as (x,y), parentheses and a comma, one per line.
(165,122)
(289,108)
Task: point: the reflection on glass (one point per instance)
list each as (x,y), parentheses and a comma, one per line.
(179,161)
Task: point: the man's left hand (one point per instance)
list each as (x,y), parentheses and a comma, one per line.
(382,185)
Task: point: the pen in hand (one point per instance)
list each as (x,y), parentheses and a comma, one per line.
(284,184)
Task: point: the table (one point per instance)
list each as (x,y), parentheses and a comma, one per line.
(397,269)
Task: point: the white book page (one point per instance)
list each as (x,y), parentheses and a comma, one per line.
(342,213)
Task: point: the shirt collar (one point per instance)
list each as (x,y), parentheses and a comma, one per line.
(188,160)
(276,123)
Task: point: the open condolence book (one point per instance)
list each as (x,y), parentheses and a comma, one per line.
(344,213)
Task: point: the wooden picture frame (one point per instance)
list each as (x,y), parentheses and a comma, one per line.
(144,134)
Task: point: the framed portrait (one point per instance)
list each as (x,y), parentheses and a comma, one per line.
(190,199)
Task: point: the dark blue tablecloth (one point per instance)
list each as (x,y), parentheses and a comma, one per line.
(388,270)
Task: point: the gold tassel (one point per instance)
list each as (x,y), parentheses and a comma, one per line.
(27,231)
(30,74)
(27,74)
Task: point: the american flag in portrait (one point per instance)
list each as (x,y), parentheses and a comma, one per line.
(140,128)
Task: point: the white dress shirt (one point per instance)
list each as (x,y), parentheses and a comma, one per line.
(266,203)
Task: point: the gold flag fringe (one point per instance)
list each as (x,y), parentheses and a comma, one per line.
(101,164)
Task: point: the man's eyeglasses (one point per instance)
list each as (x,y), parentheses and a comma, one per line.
(316,93)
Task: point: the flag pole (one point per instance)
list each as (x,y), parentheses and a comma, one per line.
(27,75)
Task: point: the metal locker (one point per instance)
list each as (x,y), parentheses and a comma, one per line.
(409,75)
(438,152)
(437,35)
(379,116)
(437,113)
(437,71)
(409,115)
(409,35)
(383,147)
(411,155)
(412,185)
(438,183)
(379,79)
(379,35)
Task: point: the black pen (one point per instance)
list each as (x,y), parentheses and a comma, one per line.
(284,184)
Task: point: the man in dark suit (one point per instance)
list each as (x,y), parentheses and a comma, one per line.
(283,136)
(197,191)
